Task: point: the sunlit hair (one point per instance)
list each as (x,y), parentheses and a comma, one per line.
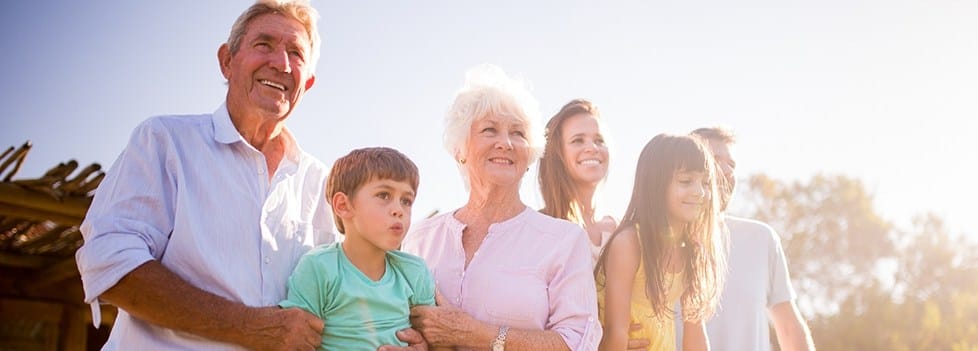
(718,133)
(647,214)
(299,10)
(488,91)
(560,196)
(360,166)
(727,137)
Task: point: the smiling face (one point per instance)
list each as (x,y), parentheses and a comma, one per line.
(687,196)
(584,149)
(269,73)
(378,214)
(497,152)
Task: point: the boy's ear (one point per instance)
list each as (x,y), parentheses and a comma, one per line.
(342,206)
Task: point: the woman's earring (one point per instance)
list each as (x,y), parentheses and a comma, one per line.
(461,160)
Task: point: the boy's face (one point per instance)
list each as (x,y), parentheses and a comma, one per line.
(379,213)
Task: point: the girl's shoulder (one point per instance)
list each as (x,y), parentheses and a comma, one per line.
(625,239)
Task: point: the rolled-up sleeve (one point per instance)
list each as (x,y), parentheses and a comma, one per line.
(573,300)
(130,217)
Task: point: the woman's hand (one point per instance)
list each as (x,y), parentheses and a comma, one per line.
(443,324)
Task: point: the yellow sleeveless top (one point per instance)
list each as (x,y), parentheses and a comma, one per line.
(659,330)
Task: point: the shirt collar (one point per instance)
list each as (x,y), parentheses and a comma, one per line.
(498,226)
(224,132)
(512,223)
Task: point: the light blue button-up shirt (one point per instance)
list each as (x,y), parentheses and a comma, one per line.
(189,192)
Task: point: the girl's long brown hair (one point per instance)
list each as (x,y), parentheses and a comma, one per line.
(647,214)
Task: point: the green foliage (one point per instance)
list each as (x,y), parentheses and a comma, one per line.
(864,283)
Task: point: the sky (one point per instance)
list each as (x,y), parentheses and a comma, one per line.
(881,90)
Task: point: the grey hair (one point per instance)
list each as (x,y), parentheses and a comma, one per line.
(299,10)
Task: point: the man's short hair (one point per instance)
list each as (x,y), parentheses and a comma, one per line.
(299,10)
(722,134)
(360,166)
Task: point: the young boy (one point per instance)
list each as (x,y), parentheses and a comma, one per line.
(363,288)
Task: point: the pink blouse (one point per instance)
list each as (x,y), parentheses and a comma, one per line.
(531,272)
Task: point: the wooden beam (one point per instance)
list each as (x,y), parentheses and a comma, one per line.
(76,329)
(25,261)
(58,272)
(32,243)
(18,202)
(44,318)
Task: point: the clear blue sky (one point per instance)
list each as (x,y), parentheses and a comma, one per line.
(882,90)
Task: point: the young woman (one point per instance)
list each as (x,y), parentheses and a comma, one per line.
(665,250)
(574,163)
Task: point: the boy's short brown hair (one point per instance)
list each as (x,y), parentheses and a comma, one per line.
(360,166)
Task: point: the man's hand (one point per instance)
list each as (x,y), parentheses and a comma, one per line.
(273,328)
(410,336)
(156,295)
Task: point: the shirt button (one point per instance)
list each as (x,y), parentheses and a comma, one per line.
(268,259)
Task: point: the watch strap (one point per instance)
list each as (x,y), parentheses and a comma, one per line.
(499,343)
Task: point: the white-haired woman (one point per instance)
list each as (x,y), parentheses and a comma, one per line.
(509,277)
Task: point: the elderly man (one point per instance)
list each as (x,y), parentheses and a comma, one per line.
(758,286)
(200,221)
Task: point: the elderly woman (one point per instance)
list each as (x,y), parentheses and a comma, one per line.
(510,278)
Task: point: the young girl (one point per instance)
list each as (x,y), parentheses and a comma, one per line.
(665,250)
(574,163)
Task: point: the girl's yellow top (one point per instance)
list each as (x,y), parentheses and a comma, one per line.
(659,330)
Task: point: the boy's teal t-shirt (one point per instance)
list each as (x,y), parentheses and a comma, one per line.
(360,314)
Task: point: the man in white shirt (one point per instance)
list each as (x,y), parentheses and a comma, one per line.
(758,285)
(198,224)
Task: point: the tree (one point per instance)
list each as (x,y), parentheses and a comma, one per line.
(833,237)
(868,284)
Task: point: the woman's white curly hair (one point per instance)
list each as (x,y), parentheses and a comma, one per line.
(487,91)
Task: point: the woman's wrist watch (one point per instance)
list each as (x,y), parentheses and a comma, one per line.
(499,343)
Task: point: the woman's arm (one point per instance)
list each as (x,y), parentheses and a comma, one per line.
(445,325)
(622,263)
(694,336)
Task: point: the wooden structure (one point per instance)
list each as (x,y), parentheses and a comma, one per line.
(41,305)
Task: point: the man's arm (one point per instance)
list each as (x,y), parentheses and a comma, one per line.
(792,331)
(153,293)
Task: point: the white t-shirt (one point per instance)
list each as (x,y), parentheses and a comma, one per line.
(757,280)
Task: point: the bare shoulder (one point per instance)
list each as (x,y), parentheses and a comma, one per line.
(607,224)
(623,251)
(624,242)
